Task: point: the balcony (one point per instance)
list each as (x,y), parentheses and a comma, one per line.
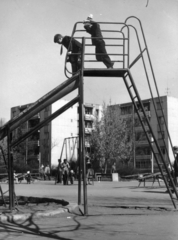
(141,142)
(88,130)
(140,157)
(89,117)
(140,128)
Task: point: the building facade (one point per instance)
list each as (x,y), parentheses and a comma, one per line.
(65,130)
(37,146)
(143,158)
(59,138)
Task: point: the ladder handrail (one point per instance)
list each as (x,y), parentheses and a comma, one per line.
(152,133)
(153,75)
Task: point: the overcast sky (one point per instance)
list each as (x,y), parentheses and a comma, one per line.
(31,65)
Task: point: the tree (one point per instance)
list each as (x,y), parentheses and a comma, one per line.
(3,154)
(111,139)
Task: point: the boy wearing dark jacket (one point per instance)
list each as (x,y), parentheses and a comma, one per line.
(73,46)
(93,28)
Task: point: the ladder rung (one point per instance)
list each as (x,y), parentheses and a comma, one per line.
(134,98)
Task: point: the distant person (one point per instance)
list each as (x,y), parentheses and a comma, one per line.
(73,47)
(113,168)
(47,172)
(93,28)
(66,169)
(175,165)
(89,171)
(41,171)
(28,177)
(59,172)
(16,178)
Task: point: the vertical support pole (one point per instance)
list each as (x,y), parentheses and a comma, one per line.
(62,150)
(69,150)
(133,135)
(66,148)
(10,173)
(79,163)
(82,135)
(152,157)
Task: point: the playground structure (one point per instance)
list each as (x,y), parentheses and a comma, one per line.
(120,45)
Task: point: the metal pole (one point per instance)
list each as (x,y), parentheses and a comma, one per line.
(82,138)
(152,161)
(10,173)
(133,129)
(83,131)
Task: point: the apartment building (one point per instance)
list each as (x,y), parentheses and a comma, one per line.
(65,130)
(58,138)
(38,144)
(48,144)
(143,158)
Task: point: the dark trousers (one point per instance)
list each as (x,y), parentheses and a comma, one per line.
(75,63)
(59,176)
(100,48)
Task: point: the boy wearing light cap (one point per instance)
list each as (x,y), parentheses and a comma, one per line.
(93,28)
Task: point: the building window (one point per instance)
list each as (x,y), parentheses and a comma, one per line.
(88,124)
(143,151)
(143,163)
(163,150)
(160,135)
(126,110)
(46,128)
(140,136)
(159,104)
(88,110)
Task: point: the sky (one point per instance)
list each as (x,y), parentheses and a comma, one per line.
(30,62)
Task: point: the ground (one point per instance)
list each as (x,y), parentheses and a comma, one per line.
(116,210)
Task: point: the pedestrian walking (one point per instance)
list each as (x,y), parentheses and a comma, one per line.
(59,172)
(66,168)
(175,164)
(47,172)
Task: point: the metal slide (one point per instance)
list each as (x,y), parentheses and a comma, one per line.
(5,131)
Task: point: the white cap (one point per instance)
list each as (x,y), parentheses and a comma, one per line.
(90,17)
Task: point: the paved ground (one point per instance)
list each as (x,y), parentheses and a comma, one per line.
(117,210)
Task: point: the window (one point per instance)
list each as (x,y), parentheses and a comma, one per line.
(161,135)
(140,136)
(126,110)
(159,104)
(88,124)
(142,164)
(143,150)
(88,110)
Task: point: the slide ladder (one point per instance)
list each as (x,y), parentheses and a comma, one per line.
(156,150)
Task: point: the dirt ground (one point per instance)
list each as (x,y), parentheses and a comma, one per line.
(116,210)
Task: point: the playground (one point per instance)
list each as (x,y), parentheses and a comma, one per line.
(75,80)
(114,209)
